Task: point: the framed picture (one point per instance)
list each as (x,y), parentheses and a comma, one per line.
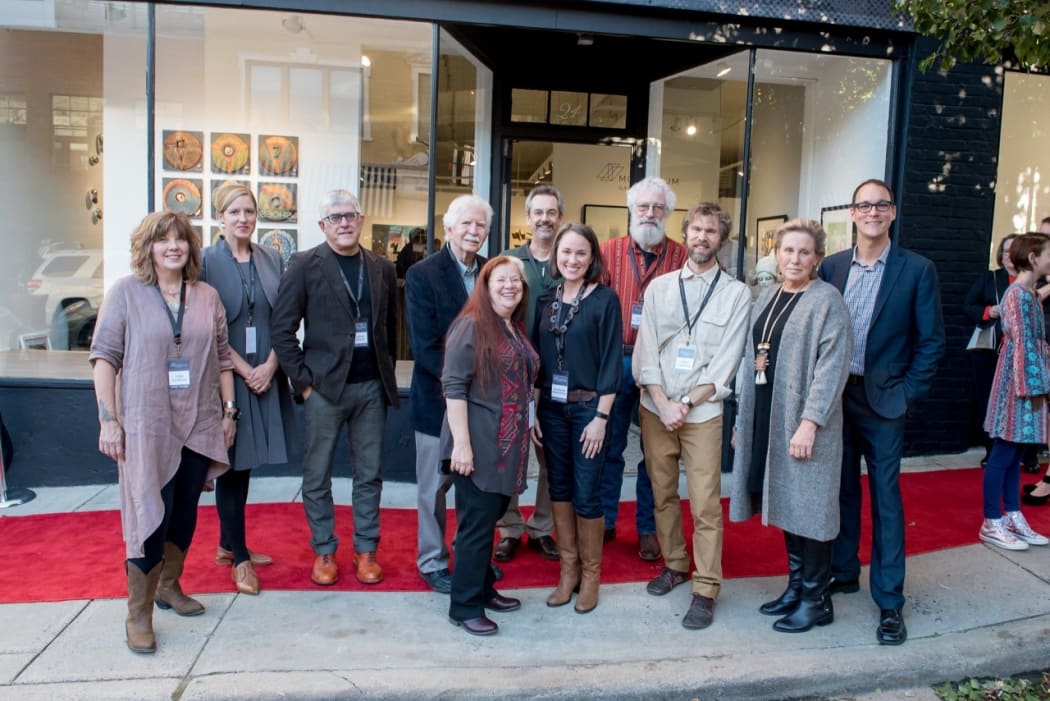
(765,227)
(838,225)
(36,340)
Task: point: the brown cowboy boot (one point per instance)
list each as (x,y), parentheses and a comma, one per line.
(139,624)
(169,591)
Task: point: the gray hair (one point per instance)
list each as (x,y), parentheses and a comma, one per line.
(463,203)
(651,183)
(549,190)
(338,196)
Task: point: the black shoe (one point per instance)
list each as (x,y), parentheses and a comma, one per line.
(806,615)
(891,630)
(784,604)
(545,546)
(503,604)
(844,586)
(609,535)
(477,626)
(1031,467)
(667,580)
(438,580)
(505,549)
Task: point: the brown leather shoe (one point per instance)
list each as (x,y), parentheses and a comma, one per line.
(505,549)
(481,625)
(648,547)
(545,546)
(224,557)
(325,572)
(244,578)
(701,612)
(368,570)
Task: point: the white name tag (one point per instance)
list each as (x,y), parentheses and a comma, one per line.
(684,359)
(560,387)
(178,373)
(532,414)
(250,340)
(361,334)
(636,315)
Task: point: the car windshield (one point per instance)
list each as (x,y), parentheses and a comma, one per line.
(64,266)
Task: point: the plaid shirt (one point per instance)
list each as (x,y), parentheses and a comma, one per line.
(616,253)
(862,287)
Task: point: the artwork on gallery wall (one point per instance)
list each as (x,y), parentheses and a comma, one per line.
(279,155)
(277,202)
(183,195)
(765,230)
(216,232)
(286,241)
(230,153)
(183,150)
(838,225)
(216,184)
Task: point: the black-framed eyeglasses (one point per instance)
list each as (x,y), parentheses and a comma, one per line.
(334,219)
(865,207)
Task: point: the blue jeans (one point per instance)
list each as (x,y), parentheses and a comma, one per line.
(1002,478)
(571,476)
(612,476)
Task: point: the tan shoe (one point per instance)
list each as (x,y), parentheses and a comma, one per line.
(169,593)
(139,623)
(244,578)
(325,572)
(368,570)
(224,557)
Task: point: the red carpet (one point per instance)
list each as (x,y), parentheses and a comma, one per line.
(57,557)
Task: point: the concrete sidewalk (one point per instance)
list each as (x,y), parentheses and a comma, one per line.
(972,611)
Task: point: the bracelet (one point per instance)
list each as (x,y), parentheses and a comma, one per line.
(601,415)
(231,404)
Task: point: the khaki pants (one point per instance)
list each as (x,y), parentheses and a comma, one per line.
(699,445)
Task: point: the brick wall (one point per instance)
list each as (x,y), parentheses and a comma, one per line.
(946,204)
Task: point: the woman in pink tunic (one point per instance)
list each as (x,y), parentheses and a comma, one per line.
(164,384)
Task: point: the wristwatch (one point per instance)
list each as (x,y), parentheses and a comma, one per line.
(687,400)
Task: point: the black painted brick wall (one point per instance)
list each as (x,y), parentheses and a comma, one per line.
(946,205)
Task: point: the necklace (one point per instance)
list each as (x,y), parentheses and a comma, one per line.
(765,344)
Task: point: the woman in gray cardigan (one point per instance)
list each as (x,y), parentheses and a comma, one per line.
(788,434)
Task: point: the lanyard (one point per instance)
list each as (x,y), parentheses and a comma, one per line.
(685,305)
(249,288)
(176,323)
(634,265)
(360,286)
(558,326)
(540,270)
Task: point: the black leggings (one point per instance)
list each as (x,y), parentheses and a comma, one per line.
(180,497)
(231,494)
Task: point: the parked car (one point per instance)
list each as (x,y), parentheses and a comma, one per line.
(71,281)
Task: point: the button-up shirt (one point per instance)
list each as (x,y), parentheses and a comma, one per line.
(862,287)
(629,285)
(469,274)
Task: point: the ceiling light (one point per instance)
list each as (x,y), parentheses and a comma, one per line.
(691,130)
(293,24)
(584,40)
(365,61)
(723,71)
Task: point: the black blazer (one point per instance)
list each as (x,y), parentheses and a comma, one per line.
(219,269)
(986,291)
(434,295)
(312,291)
(906,339)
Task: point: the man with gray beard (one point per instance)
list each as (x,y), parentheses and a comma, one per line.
(632,262)
(692,335)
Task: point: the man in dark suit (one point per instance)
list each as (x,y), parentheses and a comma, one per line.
(898,338)
(436,289)
(344,372)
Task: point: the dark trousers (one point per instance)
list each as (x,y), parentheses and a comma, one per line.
(180,496)
(231,496)
(881,442)
(571,475)
(620,419)
(1002,478)
(473,582)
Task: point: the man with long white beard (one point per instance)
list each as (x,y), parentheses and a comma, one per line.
(633,261)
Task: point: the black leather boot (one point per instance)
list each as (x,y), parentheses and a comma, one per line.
(815,608)
(788,601)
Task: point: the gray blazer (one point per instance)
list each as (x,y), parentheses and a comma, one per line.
(799,496)
(219,268)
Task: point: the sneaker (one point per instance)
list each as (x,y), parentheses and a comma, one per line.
(1015,522)
(439,580)
(994,532)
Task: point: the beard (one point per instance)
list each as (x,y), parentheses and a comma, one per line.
(647,234)
(702,256)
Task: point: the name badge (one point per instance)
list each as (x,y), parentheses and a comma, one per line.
(532,414)
(250,340)
(636,315)
(361,334)
(560,387)
(684,359)
(178,373)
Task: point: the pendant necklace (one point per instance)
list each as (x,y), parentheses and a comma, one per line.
(765,341)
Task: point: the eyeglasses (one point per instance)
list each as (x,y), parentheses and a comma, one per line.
(506,281)
(549,213)
(865,207)
(655,207)
(334,219)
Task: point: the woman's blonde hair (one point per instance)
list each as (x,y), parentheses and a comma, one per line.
(155,227)
(226,193)
(805,226)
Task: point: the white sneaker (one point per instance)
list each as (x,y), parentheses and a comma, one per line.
(1015,522)
(994,532)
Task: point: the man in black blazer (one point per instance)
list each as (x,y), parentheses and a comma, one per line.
(898,339)
(436,289)
(344,371)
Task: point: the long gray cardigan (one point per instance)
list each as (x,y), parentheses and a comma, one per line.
(799,496)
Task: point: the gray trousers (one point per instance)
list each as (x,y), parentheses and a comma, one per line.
(361,407)
(541,523)
(432,486)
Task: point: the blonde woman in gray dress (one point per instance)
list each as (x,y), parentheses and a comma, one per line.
(164,384)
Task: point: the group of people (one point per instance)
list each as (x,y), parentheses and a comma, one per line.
(1012,383)
(557,343)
